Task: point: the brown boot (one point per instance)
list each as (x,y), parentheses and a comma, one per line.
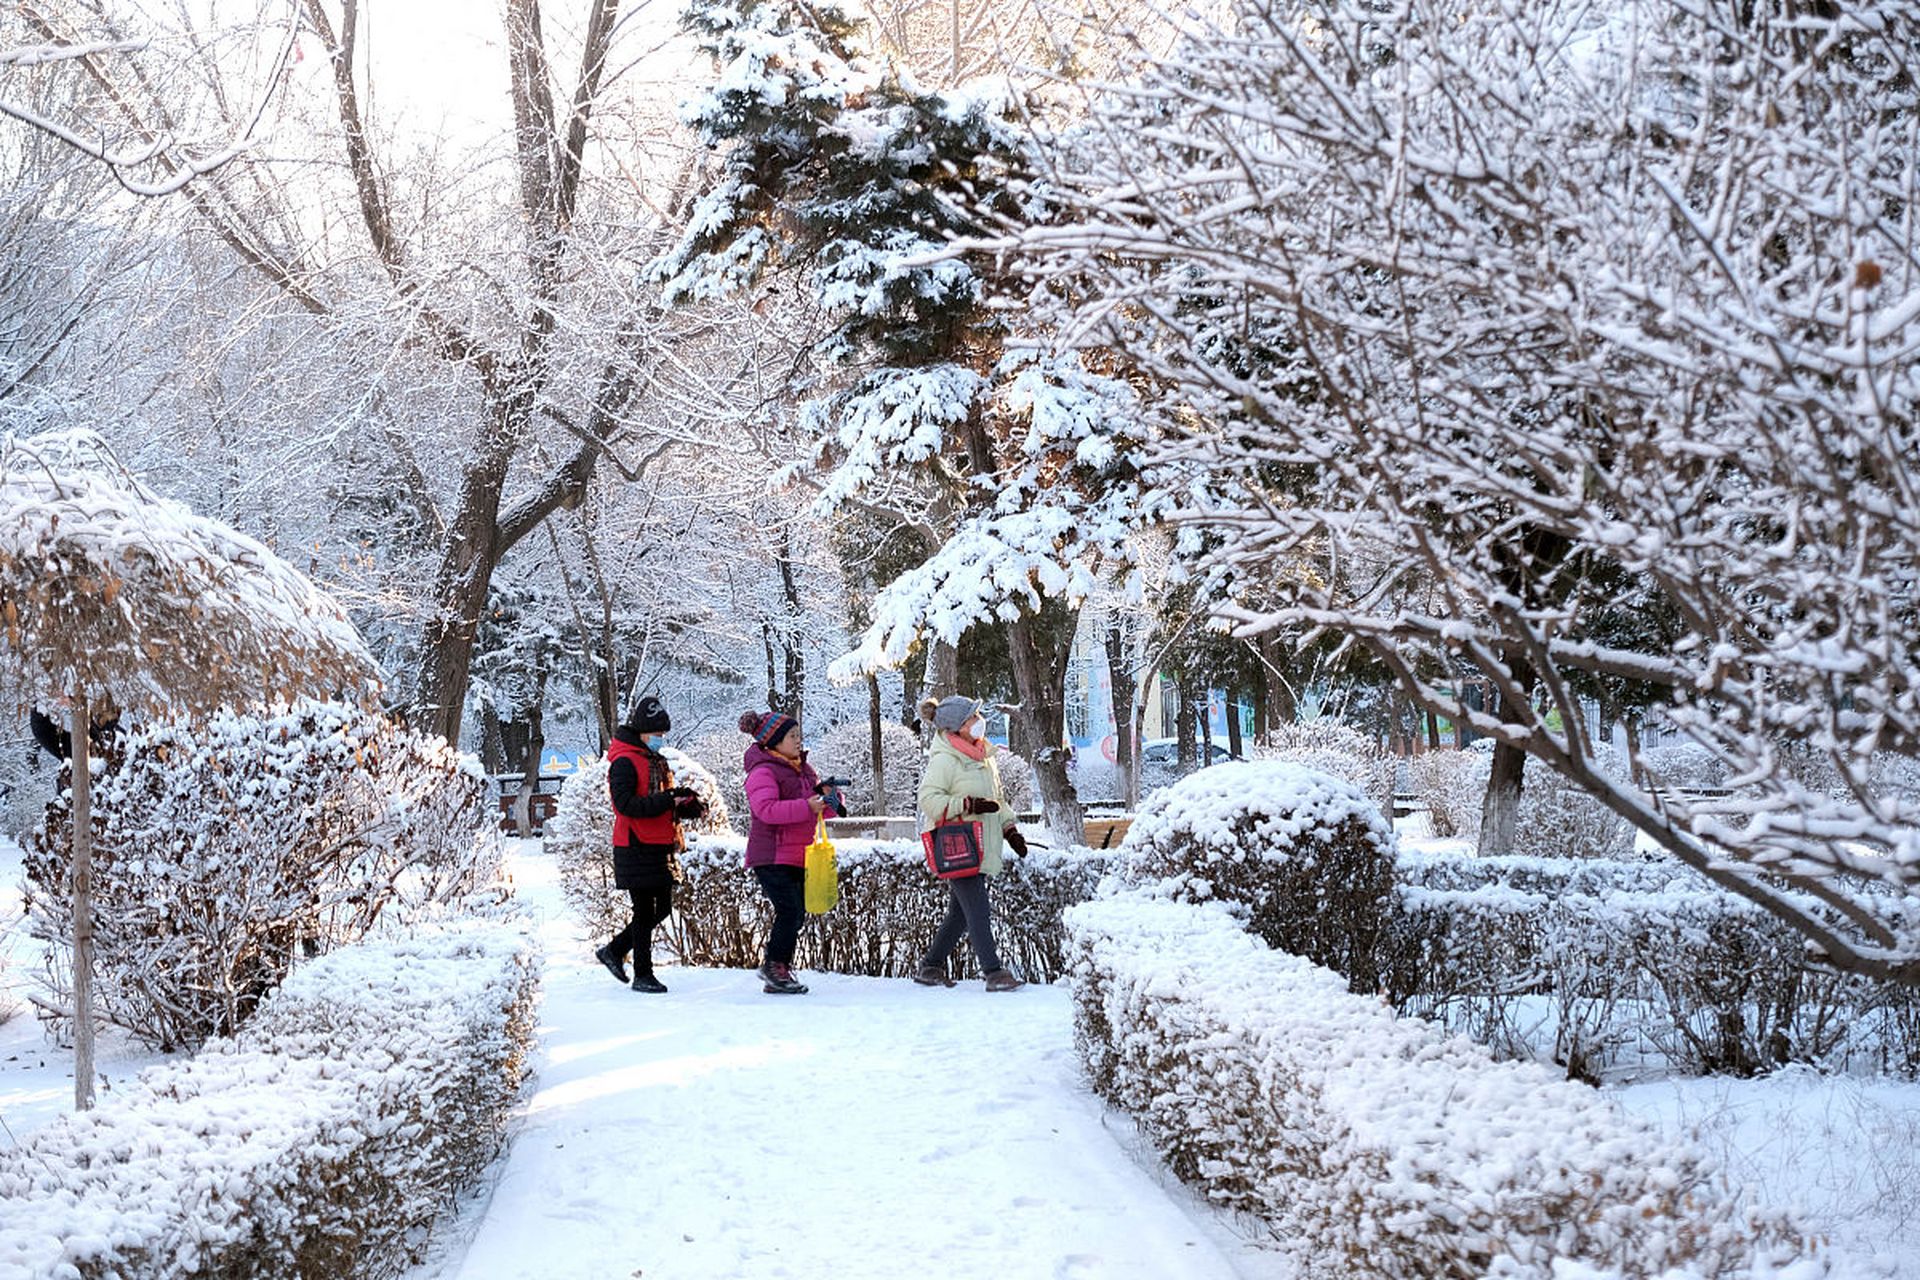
(931,976)
(1001,980)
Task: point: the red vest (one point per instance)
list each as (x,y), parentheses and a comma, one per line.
(657,830)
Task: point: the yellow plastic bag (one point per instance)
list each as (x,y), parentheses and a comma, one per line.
(823,874)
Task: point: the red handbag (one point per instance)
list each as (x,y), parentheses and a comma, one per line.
(953,849)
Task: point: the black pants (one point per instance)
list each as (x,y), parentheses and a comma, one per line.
(785,888)
(968,912)
(650,907)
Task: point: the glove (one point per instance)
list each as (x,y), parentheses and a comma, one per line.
(689,808)
(1015,841)
(975,804)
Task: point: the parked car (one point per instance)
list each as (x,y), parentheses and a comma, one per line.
(1167,751)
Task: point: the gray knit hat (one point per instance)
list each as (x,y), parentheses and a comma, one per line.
(955,711)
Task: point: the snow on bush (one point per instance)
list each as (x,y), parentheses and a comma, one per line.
(322,1142)
(1556,817)
(225,847)
(847,752)
(1376,1146)
(579,837)
(720,754)
(1331,746)
(1307,854)
(890,906)
(1637,961)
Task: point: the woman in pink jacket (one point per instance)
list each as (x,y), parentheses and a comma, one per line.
(785,797)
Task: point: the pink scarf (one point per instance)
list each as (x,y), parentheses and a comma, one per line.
(968,747)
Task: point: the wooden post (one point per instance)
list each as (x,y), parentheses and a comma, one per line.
(81,722)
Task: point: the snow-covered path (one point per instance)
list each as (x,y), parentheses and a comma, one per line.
(869,1129)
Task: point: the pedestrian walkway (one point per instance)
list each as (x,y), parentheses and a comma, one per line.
(872,1128)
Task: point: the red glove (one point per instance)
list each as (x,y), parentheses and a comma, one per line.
(974,804)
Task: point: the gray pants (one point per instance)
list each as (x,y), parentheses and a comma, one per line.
(968,912)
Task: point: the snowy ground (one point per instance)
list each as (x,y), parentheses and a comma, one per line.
(875,1128)
(870,1128)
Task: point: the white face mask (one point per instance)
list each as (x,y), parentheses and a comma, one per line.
(979,731)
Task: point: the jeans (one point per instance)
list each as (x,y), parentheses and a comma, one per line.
(785,888)
(650,907)
(969,912)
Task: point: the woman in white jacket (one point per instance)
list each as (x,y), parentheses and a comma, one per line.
(962,783)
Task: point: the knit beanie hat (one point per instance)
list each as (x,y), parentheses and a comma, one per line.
(649,716)
(949,713)
(767,727)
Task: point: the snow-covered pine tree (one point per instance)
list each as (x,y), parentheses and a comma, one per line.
(932,405)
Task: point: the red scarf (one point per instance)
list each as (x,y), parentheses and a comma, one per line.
(971,748)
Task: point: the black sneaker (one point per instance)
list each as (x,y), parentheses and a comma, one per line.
(780,981)
(648,983)
(615,965)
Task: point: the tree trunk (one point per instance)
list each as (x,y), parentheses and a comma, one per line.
(875,744)
(1501,808)
(943,671)
(1139,736)
(1120,678)
(1235,746)
(80,724)
(536,747)
(460,596)
(1183,744)
(1433,731)
(1204,706)
(1039,654)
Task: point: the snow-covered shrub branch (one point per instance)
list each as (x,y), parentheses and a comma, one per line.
(226,847)
(1306,855)
(1575,352)
(1635,961)
(322,1142)
(1377,1145)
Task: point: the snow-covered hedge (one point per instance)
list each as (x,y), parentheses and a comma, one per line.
(1376,1145)
(579,837)
(322,1142)
(1306,853)
(223,848)
(1331,746)
(1604,965)
(889,909)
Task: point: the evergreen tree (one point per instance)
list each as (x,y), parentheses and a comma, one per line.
(1013,467)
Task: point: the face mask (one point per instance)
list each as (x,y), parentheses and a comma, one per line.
(980,732)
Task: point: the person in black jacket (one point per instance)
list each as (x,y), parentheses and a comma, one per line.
(58,743)
(647,812)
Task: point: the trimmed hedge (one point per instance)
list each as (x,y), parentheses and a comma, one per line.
(1376,1144)
(1635,959)
(321,1142)
(1306,853)
(890,907)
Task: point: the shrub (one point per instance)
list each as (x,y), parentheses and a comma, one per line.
(1331,746)
(889,909)
(1634,959)
(720,753)
(1306,854)
(224,848)
(847,752)
(322,1142)
(1376,1146)
(579,838)
(1556,817)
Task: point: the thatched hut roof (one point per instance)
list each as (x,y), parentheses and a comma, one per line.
(107,586)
